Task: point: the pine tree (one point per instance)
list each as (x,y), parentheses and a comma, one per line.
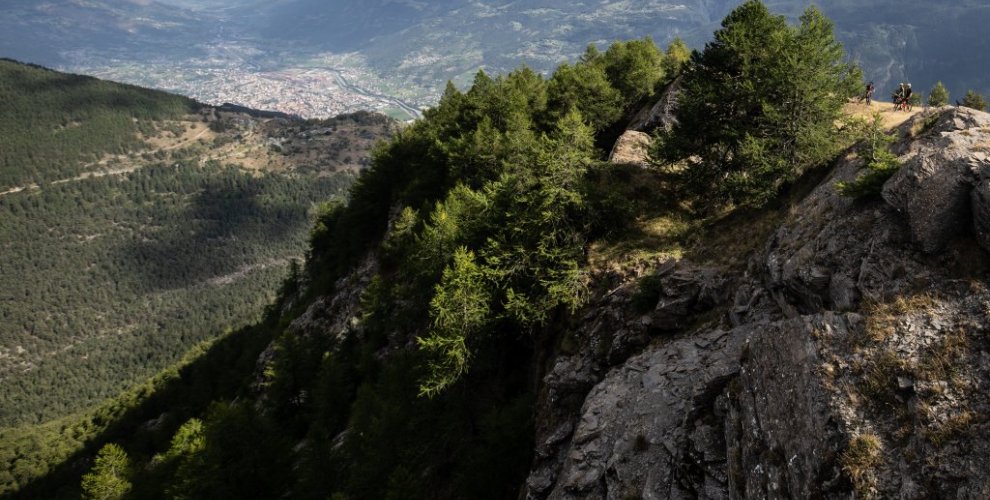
(759,105)
(584,86)
(881,163)
(459,309)
(939,96)
(974,100)
(634,68)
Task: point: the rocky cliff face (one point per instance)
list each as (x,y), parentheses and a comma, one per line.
(851,356)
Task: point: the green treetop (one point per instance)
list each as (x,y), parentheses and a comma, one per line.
(678,54)
(974,100)
(759,105)
(939,96)
(109,477)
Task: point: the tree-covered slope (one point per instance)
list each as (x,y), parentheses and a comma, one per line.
(136,224)
(498,312)
(406,356)
(56,125)
(498,184)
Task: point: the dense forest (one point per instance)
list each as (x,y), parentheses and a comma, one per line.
(465,252)
(110,279)
(77,119)
(146,225)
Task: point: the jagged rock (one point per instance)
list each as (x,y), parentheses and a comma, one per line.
(840,328)
(981,213)
(784,429)
(934,194)
(610,331)
(686,290)
(631,148)
(661,114)
(643,430)
(333,316)
(933,187)
(843,293)
(688,419)
(336,315)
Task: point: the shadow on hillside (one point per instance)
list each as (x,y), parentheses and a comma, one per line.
(224,228)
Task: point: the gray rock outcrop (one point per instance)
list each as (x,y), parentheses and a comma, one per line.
(642,433)
(848,327)
(981,212)
(662,114)
(941,169)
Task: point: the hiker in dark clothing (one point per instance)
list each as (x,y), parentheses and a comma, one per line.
(869,93)
(901,97)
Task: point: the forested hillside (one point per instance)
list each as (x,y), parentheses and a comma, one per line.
(136,224)
(56,125)
(509,159)
(762,306)
(406,355)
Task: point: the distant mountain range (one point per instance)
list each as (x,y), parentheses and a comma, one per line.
(409,48)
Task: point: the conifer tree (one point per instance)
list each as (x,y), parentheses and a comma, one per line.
(759,105)
(974,100)
(108,479)
(634,68)
(584,87)
(459,309)
(677,55)
(939,96)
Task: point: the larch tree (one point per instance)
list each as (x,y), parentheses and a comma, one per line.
(109,477)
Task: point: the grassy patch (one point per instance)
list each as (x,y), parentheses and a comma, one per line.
(860,461)
(943,360)
(879,381)
(956,427)
(881,318)
(650,239)
(731,238)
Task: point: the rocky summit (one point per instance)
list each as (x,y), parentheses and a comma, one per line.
(850,355)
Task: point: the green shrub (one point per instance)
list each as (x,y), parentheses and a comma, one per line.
(974,100)
(939,96)
(880,162)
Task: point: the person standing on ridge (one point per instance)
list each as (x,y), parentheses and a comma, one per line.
(905,103)
(869,93)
